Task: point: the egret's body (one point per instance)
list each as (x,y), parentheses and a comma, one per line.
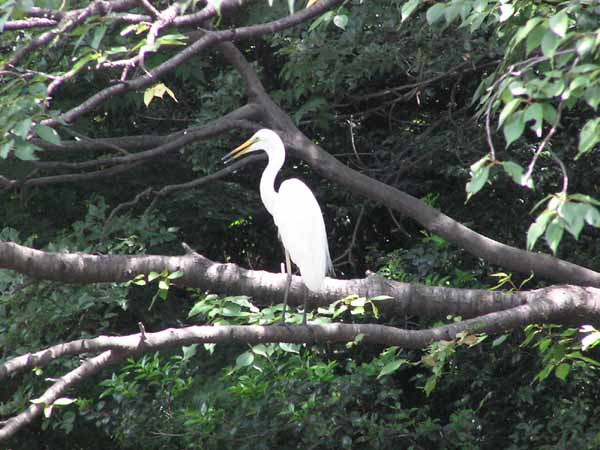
(295,211)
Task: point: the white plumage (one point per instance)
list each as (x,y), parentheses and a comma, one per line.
(295,211)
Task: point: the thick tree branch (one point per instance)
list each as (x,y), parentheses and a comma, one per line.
(268,288)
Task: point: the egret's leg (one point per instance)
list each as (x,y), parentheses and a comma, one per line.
(305,308)
(288,268)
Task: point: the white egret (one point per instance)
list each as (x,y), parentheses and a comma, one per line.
(296,213)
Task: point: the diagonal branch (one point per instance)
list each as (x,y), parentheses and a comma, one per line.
(209,39)
(71,379)
(494,252)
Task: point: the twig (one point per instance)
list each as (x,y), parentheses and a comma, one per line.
(348,252)
(121,207)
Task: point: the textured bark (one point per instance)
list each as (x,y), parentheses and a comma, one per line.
(267,288)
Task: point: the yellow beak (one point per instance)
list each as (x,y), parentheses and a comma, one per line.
(310,3)
(239,151)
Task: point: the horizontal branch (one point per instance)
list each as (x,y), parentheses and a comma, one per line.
(231,121)
(268,288)
(5,183)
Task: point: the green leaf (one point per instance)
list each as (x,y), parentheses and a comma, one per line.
(5,148)
(535,38)
(47,134)
(592,96)
(98,35)
(476,166)
(550,43)
(535,112)
(592,216)
(539,226)
(452,12)
(513,128)
(408,8)
(562,371)
(508,109)
(340,21)
(585,44)
(559,23)
(554,234)
(430,385)
(573,214)
(163,285)
(261,350)
(533,234)
(588,136)
(175,275)
(245,359)
(478,180)
(25,152)
(523,32)
(63,401)
(499,340)
(290,348)
(584,199)
(22,128)
(391,367)
(189,351)
(153,276)
(198,308)
(435,13)
(516,172)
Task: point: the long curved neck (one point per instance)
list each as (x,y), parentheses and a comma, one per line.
(268,194)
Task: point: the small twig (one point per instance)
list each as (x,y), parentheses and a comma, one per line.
(151,9)
(540,149)
(121,207)
(348,252)
(563,170)
(398,224)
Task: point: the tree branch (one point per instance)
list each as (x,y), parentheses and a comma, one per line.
(268,288)
(71,379)
(233,120)
(210,39)
(573,300)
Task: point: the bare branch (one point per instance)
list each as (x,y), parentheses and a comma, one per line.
(71,379)
(27,24)
(69,177)
(210,178)
(231,121)
(264,287)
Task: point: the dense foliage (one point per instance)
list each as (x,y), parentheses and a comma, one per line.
(500,97)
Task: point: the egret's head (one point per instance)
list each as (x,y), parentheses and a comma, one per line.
(264,139)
